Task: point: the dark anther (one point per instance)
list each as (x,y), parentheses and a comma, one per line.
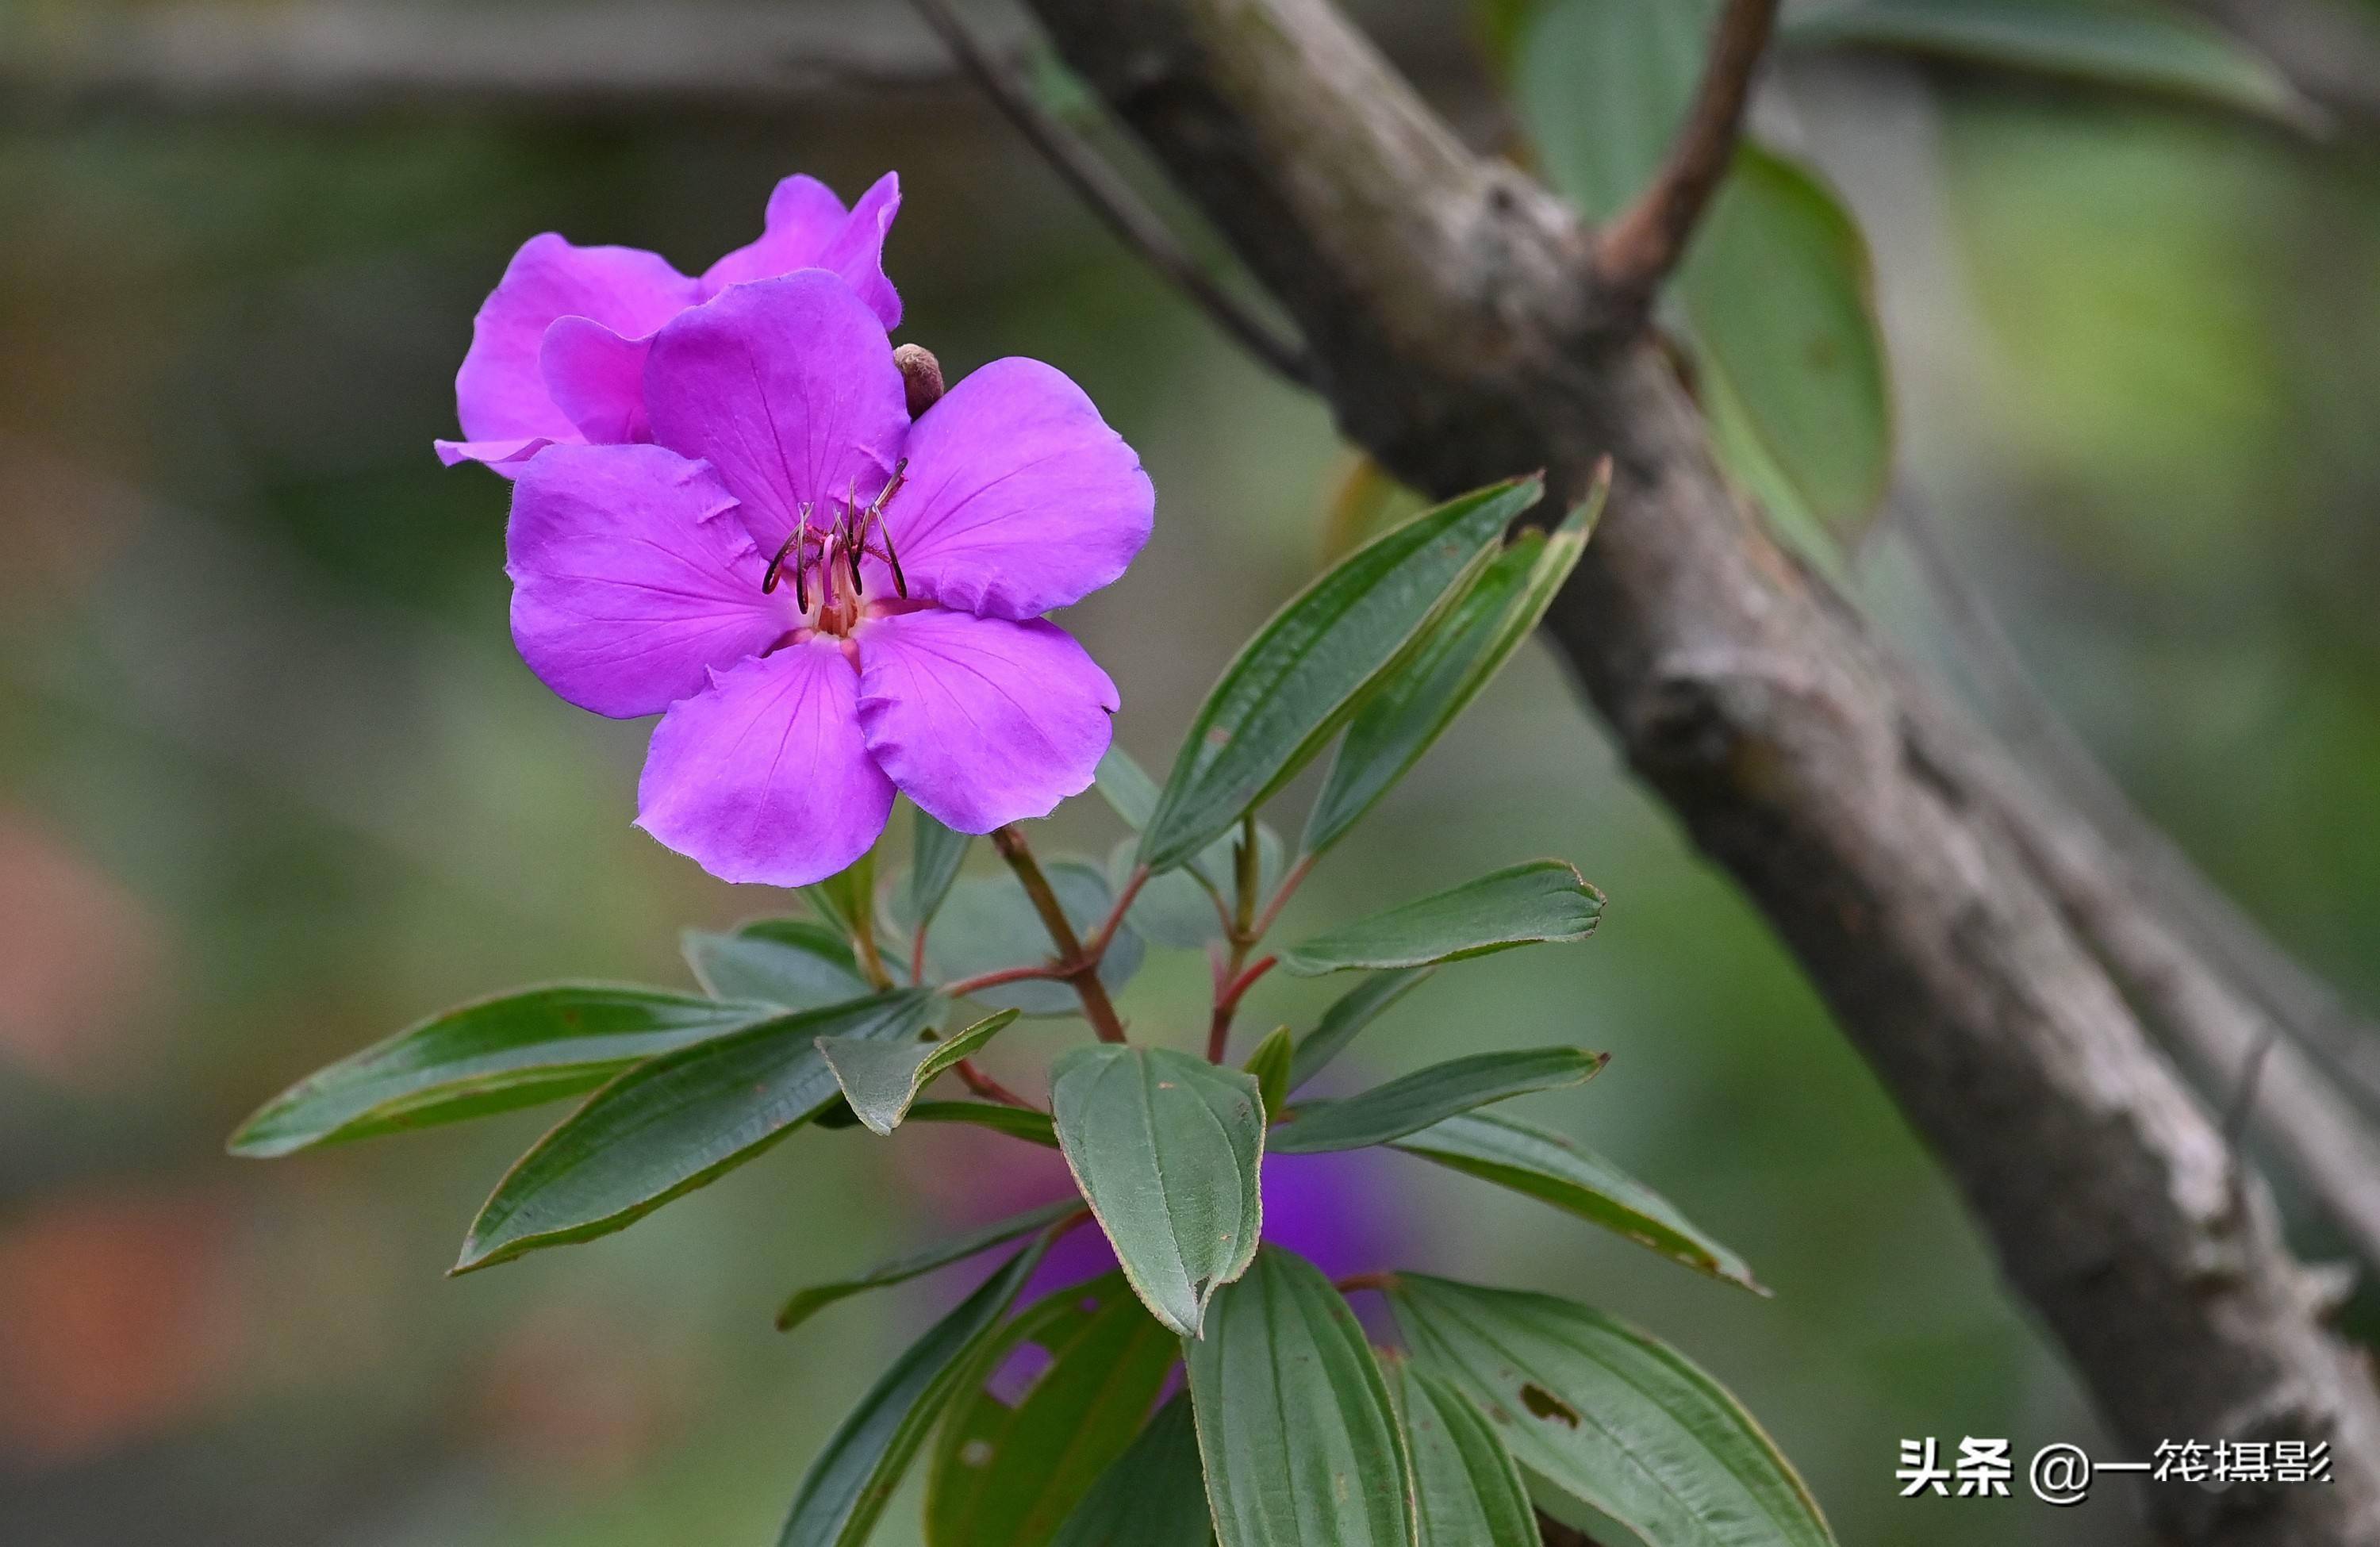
(900,581)
(876,514)
(776,567)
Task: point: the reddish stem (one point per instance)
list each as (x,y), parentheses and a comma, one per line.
(990,1088)
(966,986)
(1226,1004)
(1096,948)
(1289,883)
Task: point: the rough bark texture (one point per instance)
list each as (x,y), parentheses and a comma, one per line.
(1457,334)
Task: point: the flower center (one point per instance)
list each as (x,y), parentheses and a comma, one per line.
(822,558)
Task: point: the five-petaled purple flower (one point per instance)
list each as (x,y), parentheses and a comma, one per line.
(558,350)
(829,600)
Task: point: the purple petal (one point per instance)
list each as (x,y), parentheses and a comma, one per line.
(597,379)
(506,456)
(763,776)
(809,228)
(787,386)
(981,720)
(1019,498)
(500,392)
(631,578)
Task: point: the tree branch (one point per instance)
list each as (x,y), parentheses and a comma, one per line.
(1643,242)
(1460,335)
(1098,184)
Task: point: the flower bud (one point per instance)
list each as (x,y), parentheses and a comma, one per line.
(921,373)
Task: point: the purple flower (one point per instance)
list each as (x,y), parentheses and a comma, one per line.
(829,602)
(558,350)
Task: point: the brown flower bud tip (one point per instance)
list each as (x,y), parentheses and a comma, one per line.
(921,373)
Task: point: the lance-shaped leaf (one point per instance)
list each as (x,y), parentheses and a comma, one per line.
(794,962)
(1352,1011)
(2159,48)
(1300,1444)
(853,1477)
(674,1123)
(1527,905)
(1781,301)
(1017,1122)
(989,925)
(1010,1473)
(808,1302)
(880,1079)
(1153,1497)
(1304,672)
(1168,1150)
(1425,1096)
(1415,704)
(1467,1489)
(512,1051)
(1552,1169)
(1269,1063)
(1615,1418)
(936,855)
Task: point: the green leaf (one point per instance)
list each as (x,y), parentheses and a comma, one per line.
(881,1079)
(935,857)
(808,1302)
(1467,1489)
(1352,1011)
(1015,1121)
(1779,290)
(1415,703)
(674,1123)
(853,1477)
(1602,1411)
(1525,904)
(988,924)
(512,1051)
(1415,1100)
(1010,1475)
(2157,48)
(1552,1169)
(846,898)
(1125,786)
(1270,1065)
(1168,1150)
(790,962)
(1153,1497)
(1300,1444)
(1602,86)
(1305,671)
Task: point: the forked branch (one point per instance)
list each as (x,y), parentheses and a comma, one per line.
(1643,242)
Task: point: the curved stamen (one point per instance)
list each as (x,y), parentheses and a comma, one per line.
(876,514)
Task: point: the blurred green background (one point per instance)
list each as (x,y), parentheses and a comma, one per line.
(272,782)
